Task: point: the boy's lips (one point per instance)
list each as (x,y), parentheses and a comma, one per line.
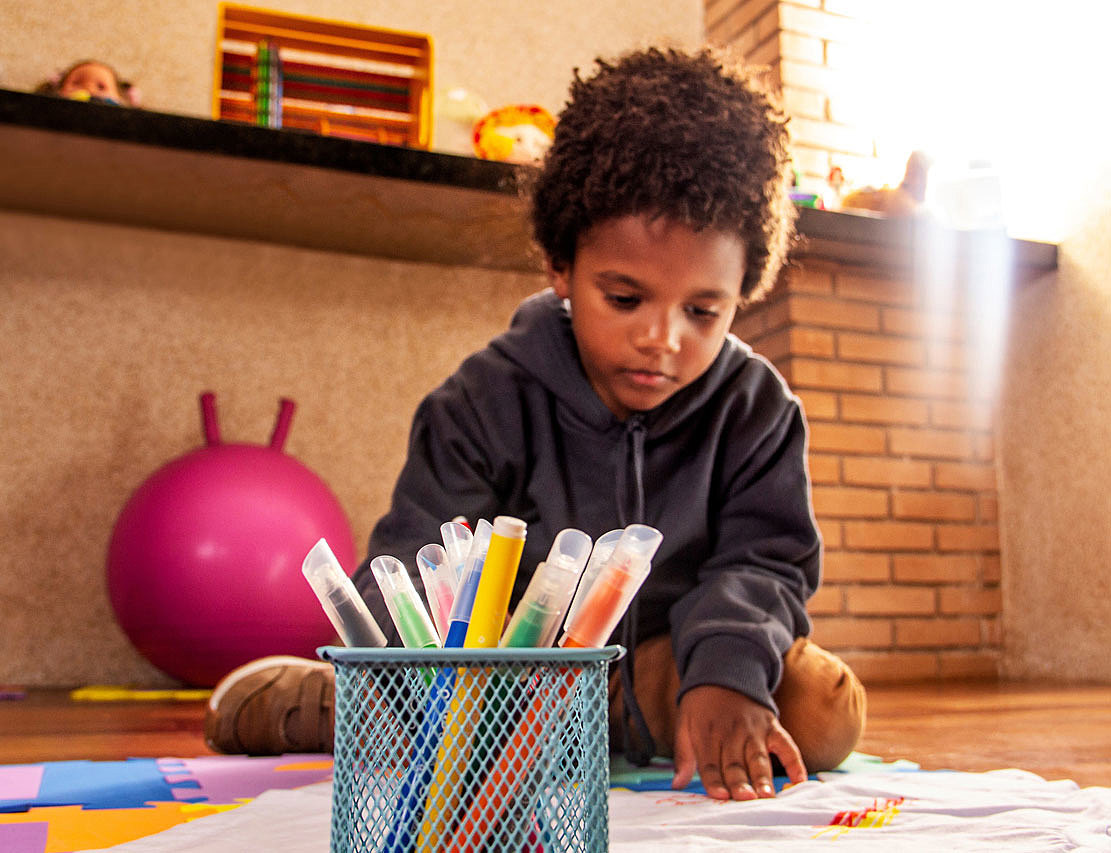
(647,378)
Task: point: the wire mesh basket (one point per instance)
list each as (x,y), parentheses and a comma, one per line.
(471,749)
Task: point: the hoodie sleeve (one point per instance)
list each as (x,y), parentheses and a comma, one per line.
(734,626)
(449,471)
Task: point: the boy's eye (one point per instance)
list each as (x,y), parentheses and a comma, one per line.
(700,313)
(623,300)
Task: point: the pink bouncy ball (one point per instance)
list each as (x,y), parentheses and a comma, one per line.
(204,563)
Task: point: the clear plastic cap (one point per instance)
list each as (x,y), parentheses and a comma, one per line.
(406,608)
(600,606)
(342,603)
(472,571)
(440,584)
(538,616)
(457,542)
(603,548)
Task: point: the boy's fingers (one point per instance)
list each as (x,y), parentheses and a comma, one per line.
(785,749)
(706,754)
(759,768)
(737,769)
(712,781)
(684,759)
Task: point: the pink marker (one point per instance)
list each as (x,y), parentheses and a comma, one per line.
(440,582)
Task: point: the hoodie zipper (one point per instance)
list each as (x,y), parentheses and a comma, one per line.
(632,445)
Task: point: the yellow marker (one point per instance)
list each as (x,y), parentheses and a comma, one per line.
(495,585)
(491,605)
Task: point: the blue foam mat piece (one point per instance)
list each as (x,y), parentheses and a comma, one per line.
(98,785)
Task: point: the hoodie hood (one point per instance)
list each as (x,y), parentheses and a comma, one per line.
(541,342)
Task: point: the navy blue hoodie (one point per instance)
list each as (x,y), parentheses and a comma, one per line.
(719,469)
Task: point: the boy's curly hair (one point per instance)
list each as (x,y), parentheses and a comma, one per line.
(669,134)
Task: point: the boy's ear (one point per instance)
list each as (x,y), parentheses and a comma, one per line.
(559,279)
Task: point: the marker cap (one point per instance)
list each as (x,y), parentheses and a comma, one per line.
(405,606)
(342,603)
(606,600)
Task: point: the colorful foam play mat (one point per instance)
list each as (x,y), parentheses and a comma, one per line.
(227,804)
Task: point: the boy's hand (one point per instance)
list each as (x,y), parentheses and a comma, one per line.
(730,738)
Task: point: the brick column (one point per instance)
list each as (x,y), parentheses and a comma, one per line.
(901,451)
(901,460)
(806,47)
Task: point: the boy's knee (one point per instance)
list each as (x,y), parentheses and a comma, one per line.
(822,705)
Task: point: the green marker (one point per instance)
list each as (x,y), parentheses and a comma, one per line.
(406,609)
(538,616)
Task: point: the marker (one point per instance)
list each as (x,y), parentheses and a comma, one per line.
(599,607)
(541,609)
(339,598)
(405,606)
(457,538)
(599,611)
(603,548)
(491,602)
(470,574)
(439,580)
(418,777)
(534,624)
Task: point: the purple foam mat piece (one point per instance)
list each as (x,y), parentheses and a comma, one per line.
(23,837)
(230,778)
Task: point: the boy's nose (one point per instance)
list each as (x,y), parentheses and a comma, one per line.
(660,333)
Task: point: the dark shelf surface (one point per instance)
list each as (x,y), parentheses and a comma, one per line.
(185,173)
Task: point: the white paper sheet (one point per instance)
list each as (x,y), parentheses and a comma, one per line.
(905,811)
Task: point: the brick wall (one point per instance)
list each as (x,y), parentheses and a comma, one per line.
(901,460)
(807,48)
(901,451)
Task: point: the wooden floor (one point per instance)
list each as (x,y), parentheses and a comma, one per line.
(1056,732)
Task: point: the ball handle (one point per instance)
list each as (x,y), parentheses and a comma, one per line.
(281,427)
(211,424)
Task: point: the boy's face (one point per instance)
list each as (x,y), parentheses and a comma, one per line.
(651,303)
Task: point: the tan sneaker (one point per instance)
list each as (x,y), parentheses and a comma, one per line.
(271,706)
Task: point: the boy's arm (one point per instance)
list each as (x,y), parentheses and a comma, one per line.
(733,628)
(749,602)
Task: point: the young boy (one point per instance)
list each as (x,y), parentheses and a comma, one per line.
(619,396)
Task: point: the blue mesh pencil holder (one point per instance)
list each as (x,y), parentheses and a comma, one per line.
(471,749)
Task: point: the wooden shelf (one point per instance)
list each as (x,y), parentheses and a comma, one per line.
(141,168)
(181,173)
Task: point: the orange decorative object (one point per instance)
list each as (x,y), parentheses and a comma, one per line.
(519,133)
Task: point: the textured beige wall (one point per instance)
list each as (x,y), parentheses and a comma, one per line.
(108,333)
(1055,459)
(505,52)
(107,337)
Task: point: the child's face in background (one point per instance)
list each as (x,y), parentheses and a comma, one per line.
(93,78)
(651,303)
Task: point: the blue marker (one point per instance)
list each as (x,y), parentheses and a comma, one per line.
(418,778)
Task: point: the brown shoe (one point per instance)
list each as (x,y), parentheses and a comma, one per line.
(271,706)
